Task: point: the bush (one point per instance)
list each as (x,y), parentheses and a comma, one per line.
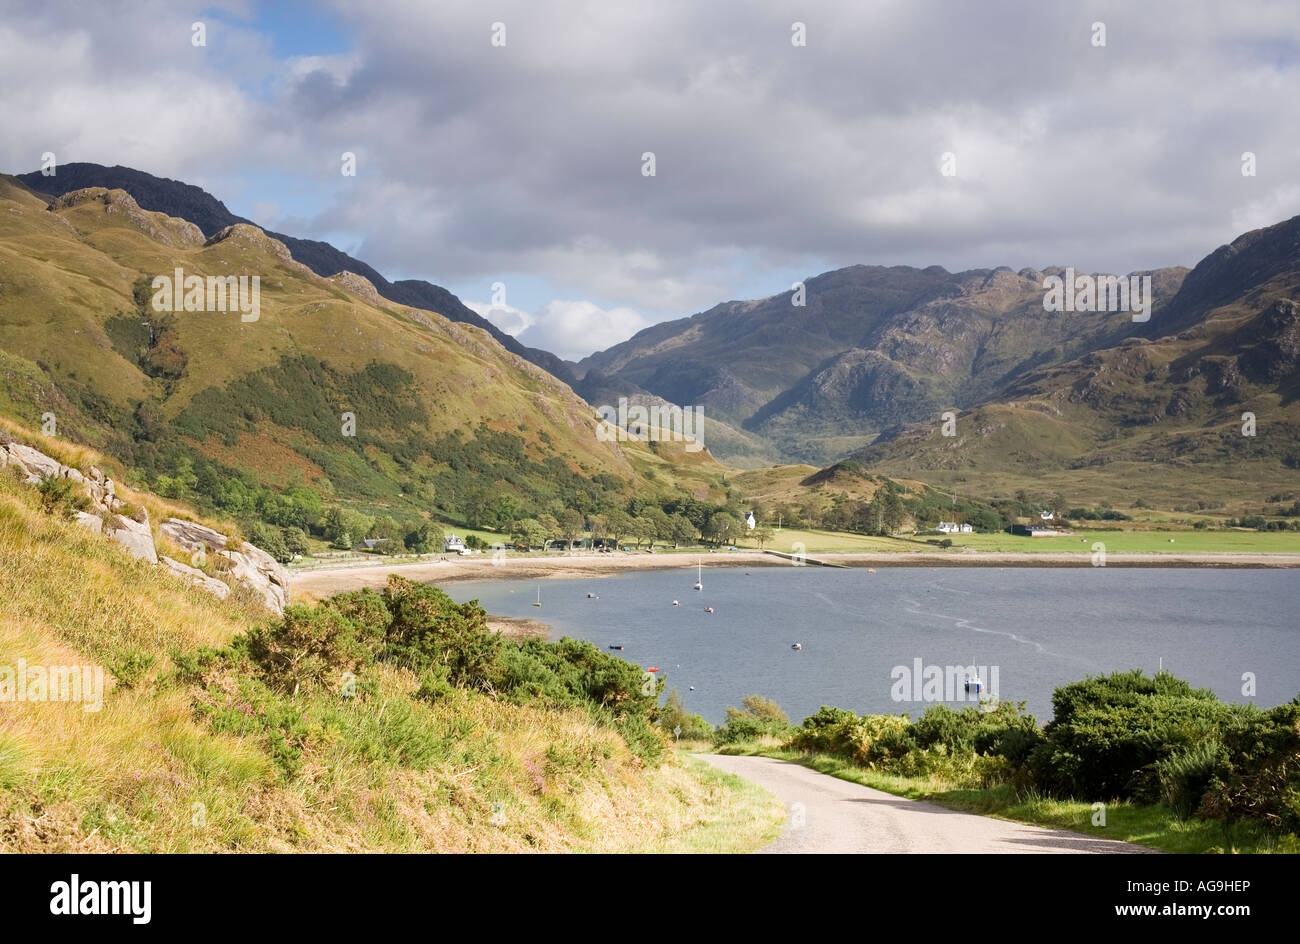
(430,628)
(307,647)
(1107,730)
(60,495)
(676,719)
(760,718)
(1184,776)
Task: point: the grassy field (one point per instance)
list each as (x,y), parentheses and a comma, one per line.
(1140,542)
(174,763)
(1154,826)
(1149,542)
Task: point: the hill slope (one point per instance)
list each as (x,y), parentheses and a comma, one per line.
(188,202)
(871,348)
(1160,415)
(166,746)
(332,389)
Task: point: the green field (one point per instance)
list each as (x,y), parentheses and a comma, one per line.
(1117,542)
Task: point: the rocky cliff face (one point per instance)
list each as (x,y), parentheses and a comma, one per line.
(129,526)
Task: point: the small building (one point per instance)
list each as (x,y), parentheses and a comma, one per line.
(1036,531)
(952,527)
(451,544)
(750,522)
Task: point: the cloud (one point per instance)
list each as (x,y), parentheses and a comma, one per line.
(509,319)
(573,329)
(475,160)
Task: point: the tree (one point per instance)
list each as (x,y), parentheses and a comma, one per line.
(762,535)
(683,532)
(550,527)
(425,538)
(570,524)
(722,528)
(528,533)
(295,540)
(620,523)
(644,528)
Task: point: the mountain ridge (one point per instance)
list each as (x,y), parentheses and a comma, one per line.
(182,200)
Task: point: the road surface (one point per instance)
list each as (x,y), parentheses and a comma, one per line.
(829,815)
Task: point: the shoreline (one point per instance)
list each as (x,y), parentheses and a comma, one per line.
(321,582)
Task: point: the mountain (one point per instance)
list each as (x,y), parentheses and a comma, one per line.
(332,393)
(872,347)
(1161,414)
(188,202)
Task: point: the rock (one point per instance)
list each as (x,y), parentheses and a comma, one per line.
(34,463)
(135,536)
(196,577)
(193,536)
(261,573)
(93,522)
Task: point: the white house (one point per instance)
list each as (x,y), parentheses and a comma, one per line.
(749,520)
(952,527)
(454,545)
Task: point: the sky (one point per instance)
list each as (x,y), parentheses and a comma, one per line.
(500,146)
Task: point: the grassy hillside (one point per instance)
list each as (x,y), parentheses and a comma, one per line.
(333,391)
(1200,413)
(194,750)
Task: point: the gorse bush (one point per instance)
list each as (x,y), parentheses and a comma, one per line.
(448,646)
(759,718)
(1123,736)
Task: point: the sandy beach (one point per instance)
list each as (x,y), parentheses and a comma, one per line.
(322,582)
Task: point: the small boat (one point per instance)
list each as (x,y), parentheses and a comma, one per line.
(974,685)
(675,603)
(699,576)
(797,646)
(708,609)
(592,596)
(692,688)
(539,595)
(619,648)
(653,668)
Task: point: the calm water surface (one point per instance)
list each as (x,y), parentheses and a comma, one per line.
(1039,627)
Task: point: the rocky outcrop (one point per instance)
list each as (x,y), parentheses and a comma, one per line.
(250,565)
(129,527)
(196,577)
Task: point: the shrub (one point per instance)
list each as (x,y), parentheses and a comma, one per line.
(760,718)
(307,647)
(676,719)
(60,495)
(1107,730)
(430,628)
(1184,776)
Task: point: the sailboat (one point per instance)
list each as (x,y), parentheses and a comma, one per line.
(699,575)
(539,595)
